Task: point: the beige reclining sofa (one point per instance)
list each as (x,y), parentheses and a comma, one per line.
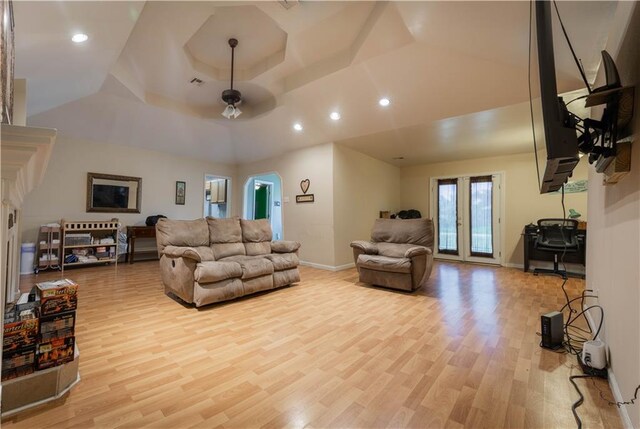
(399,255)
(209,260)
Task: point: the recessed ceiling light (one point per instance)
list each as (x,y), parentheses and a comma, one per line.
(335,116)
(80,37)
(384,102)
(297,126)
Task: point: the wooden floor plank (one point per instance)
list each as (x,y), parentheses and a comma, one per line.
(328,352)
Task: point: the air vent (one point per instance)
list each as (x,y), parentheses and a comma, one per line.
(288,4)
(196,81)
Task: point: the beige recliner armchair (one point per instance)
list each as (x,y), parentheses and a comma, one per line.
(399,255)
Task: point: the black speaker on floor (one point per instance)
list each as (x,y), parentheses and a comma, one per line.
(551,328)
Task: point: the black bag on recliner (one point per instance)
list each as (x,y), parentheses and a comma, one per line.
(409,214)
(152,220)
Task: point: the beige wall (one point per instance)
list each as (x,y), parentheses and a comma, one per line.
(613,248)
(309,223)
(363,186)
(522,201)
(63,191)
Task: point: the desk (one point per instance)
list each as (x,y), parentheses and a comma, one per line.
(135,232)
(531,253)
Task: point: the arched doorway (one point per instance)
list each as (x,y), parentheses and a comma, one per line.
(263,200)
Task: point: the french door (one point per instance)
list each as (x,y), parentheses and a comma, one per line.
(466,211)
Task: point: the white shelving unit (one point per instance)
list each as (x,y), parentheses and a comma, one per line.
(48,254)
(89,236)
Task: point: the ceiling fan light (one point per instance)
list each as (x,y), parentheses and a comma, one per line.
(236,112)
(228,111)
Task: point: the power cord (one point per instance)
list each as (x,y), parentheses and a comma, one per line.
(620,403)
(579,401)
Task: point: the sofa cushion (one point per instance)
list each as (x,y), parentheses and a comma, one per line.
(384,263)
(181,233)
(256,231)
(252,266)
(394,250)
(414,231)
(283,261)
(223,250)
(222,230)
(284,246)
(253,249)
(215,271)
(257,284)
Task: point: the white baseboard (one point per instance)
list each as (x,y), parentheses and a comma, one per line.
(328,267)
(512,265)
(613,383)
(617,395)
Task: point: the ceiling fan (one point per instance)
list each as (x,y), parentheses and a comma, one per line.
(232,96)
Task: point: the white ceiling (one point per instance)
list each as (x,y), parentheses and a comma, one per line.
(456,74)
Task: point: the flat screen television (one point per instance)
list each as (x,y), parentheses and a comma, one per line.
(111,196)
(552,122)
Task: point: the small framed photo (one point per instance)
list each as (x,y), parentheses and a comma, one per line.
(181,191)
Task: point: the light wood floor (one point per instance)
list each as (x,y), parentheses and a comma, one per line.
(328,352)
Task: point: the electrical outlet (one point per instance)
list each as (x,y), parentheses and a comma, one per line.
(594,293)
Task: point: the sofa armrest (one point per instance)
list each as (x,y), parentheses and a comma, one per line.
(416,251)
(197,254)
(365,246)
(284,246)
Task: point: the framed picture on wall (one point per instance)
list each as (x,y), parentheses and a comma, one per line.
(181,191)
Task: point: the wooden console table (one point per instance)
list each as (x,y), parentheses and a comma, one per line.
(135,232)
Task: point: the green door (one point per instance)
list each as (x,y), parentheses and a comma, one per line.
(261,204)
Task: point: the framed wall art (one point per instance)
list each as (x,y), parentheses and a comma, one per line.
(181,192)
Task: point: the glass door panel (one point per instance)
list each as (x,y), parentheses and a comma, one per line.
(481,216)
(448,216)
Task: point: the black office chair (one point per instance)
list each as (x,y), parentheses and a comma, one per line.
(559,237)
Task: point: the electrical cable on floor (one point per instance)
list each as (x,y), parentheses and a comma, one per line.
(620,403)
(579,401)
